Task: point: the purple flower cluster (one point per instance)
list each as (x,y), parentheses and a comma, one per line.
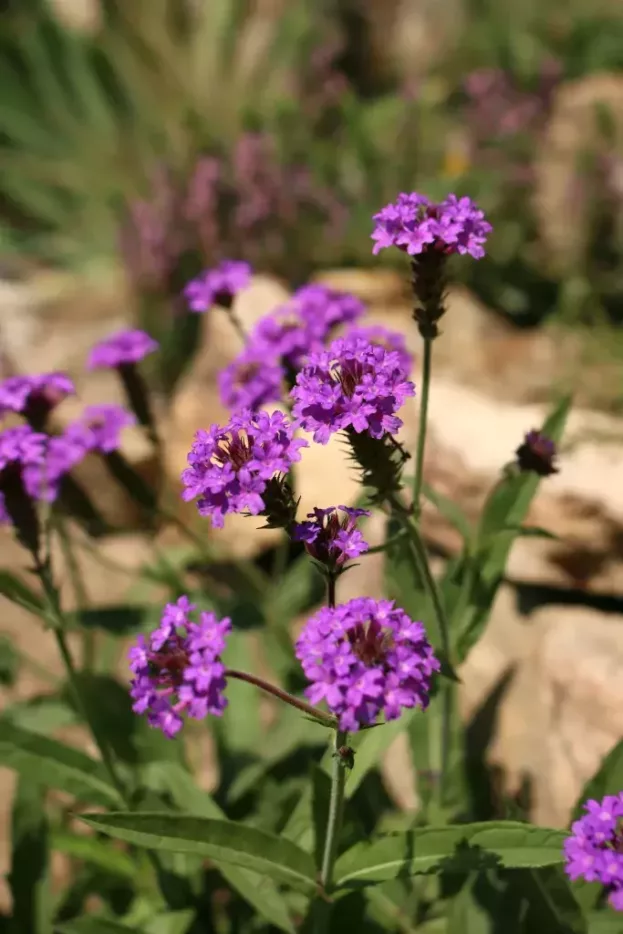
(537,454)
(218,286)
(231,466)
(34,396)
(330,539)
(366,658)
(281,342)
(594,851)
(415,224)
(178,668)
(22,453)
(353,384)
(98,428)
(379,336)
(122,349)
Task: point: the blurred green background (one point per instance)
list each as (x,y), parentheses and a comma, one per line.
(170,133)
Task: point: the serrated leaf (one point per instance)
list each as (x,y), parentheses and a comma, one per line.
(55,765)
(608,780)
(29,878)
(459,848)
(219,840)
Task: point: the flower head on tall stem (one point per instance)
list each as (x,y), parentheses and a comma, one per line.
(21,450)
(177,669)
(594,851)
(34,396)
(351,385)
(537,454)
(366,658)
(380,336)
(124,348)
(331,539)
(232,468)
(218,286)
(99,428)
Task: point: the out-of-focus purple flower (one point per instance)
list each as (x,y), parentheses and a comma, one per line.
(537,455)
(322,308)
(380,336)
(231,466)
(252,380)
(353,384)
(21,446)
(415,224)
(122,349)
(594,850)
(330,539)
(366,658)
(178,670)
(22,450)
(98,428)
(34,396)
(218,286)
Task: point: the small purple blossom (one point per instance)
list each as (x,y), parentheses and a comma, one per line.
(231,466)
(22,453)
(537,454)
(322,308)
(218,286)
(178,670)
(594,850)
(366,658)
(381,336)
(415,224)
(252,380)
(98,428)
(34,396)
(122,349)
(353,384)
(330,539)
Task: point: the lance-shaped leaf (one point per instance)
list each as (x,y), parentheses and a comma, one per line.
(459,848)
(218,840)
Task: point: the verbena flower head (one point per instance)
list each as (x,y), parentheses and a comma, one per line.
(218,286)
(22,450)
(377,335)
(415,224)
(231,466)
(594,851)
(353,384)
(366,658)
(34,396)
(322,308)
(122,349)
(252,380)
(178,670)
(537,455)
(99,428)
(330,538)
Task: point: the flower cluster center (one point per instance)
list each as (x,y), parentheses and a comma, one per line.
(370,643)
(350,375)
(169,664)
(234,448)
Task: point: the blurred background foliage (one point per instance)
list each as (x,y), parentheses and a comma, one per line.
(169,133)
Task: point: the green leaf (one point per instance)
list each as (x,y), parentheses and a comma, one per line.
(172,922)
(604,922)
(391,912)
(530,531)
(9,662)
(261,894)
(459,848)
(55,765)
(218,840)
(93,925)
(240,726)
(608,780)
(29,878)
(96,852)
(550,903)
(15,590)
(298,590)
(468,914)
(115,620)
(450,511)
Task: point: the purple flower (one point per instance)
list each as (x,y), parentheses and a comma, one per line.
(594,850)
(252,380)
(178,668)
(380,336)
(34,396)
(322,308)
(332,540)
(218,286)
(98,428)
(22,451)
(366,658)
(353,384)
(230,467)
(537,455)
(415,224)
(122,349)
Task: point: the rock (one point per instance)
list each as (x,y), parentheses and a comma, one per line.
(375,287)
(561,201)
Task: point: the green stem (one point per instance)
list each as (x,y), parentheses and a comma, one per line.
(334,820)
(237,323)
(80,594)
(421,439)
(324,718)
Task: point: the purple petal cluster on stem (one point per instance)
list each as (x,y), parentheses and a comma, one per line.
(366,659)
(594,850)
(123,348)
(217,286)
(331,539)
(178,670)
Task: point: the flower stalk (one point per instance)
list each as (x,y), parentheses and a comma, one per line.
(336,808)
(423,423)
